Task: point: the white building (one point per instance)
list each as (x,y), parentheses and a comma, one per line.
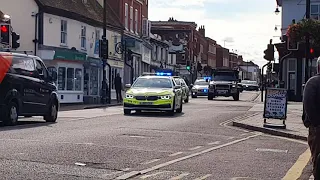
(65,35)
(249,71)
(293,70)
(161,59)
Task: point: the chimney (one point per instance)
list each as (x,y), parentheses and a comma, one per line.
(202,31)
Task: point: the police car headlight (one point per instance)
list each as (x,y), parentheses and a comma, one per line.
(234,86)
(166,97)
(129,96)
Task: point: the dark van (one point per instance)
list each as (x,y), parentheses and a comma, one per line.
(27,89)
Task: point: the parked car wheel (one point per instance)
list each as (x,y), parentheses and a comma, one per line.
(11,114)
(52,114)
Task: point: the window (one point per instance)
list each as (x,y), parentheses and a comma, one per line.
(78,80)
(83,37)
(94,81)
(126,13)
(64,32)
(23,66)
(314,13)
(70,79)
(131,19)
(41,69)
(98,35)
(136,20)
(62,78)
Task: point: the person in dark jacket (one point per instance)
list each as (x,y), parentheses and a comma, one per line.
(118,87)
(311,115)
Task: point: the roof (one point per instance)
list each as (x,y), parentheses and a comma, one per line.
(90,13)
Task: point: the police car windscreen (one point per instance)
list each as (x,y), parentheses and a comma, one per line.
(152,83)
(224,76)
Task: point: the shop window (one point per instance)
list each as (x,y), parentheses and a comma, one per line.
(78,80)
(86,82)
(62,78)
(83,37)
(70,79)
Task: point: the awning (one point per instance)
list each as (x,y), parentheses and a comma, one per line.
(69,55)
(5,63)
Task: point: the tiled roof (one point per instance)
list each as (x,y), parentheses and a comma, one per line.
(90,12)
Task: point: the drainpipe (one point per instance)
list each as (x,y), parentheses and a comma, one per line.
(35,41)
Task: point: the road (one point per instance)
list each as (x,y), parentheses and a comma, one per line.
(105,144)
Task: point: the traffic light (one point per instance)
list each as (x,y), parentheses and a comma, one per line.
(5,34)
(269,53)
(15,40)
(104,49)
(188,67)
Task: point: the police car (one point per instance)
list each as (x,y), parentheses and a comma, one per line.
(200,87)
(153,92)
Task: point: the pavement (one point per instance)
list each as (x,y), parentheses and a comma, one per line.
(102,143)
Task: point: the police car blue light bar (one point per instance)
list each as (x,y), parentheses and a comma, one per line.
(207,78)
(163,74)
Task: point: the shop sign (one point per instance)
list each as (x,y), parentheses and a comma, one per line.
(275,106)
(94,61)
(115,63)
(69,55)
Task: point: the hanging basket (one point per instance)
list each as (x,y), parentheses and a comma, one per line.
(297,32)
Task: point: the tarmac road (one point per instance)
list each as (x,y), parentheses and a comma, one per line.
(105,144)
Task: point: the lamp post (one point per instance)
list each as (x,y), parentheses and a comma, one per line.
(307,50)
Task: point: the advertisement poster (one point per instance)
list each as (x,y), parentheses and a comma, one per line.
(275,105)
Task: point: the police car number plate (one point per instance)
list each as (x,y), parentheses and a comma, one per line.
(146,103)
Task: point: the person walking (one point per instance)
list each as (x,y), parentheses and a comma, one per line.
(311,115)
(118,87)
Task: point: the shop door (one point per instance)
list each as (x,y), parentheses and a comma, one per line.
(291,85)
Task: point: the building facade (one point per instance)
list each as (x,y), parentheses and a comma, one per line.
(293,65)
(249,71)
(65,35)
(134,17)
(212,52)
(222,57)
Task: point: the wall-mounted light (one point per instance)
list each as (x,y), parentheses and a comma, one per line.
(277,11)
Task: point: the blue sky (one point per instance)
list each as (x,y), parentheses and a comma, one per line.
(242,25)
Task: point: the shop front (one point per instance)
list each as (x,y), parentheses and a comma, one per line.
(70,69)
(92,80)
(116,67)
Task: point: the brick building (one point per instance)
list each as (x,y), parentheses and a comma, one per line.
(233,60)
(222,57)
(134,17)
(212,52)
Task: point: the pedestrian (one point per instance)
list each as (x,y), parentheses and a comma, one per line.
(118,87)
(311,115)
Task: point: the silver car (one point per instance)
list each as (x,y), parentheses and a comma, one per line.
(200,88)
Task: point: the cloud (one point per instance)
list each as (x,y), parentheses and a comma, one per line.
(247,32)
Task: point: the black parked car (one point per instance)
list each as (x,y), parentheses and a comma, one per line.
(27,89)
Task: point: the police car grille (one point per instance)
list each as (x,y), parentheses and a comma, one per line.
(149,98)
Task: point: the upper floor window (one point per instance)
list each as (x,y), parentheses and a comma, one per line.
(315,11)
(136,20)
(83,37)
(201,48)
(131,18)
(126,16)
(63,32)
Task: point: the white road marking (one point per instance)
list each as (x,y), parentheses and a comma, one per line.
(180,176)
(214,143)
(243,134)
(80,164)
(204,177)
(151,161)
(138,136)
(151,175)
(30,140)
(176,154)
(194,148)
(272,150)
(125,169)
(288,139)
(230,138)
(188,156)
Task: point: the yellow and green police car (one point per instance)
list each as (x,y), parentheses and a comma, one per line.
(153,92)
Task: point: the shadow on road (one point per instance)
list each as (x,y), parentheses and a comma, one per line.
(24,123)
(156,114)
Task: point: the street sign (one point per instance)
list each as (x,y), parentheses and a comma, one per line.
(275,105)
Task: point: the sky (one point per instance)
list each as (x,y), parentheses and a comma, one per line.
(243,26)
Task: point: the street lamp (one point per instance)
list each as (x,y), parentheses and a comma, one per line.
(277,11)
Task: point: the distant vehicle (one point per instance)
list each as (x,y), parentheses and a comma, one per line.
(250,85)
(27,89)
(200,87)
(185,89)
(153,92)
(224,83)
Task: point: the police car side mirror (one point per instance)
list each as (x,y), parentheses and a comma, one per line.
(127,86)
